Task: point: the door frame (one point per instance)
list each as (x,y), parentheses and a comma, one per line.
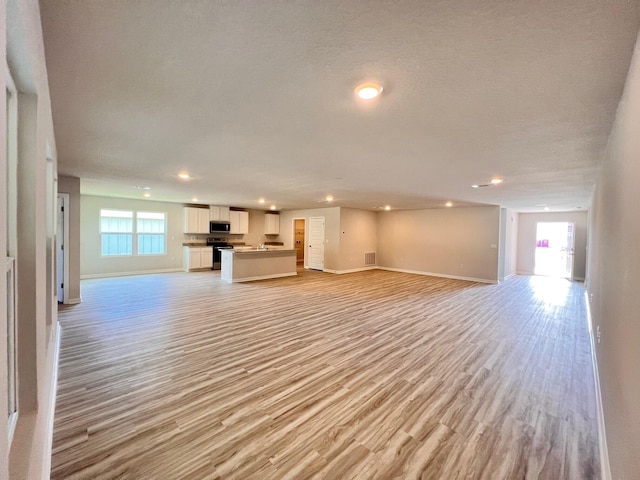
(293,238)
(65,250)
(570,249)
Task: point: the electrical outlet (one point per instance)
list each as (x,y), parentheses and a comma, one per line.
(598,333)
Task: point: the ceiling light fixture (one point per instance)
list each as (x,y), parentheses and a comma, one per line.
(368,91)
(496,181)
(387,208)
(146,194)
(184,175)
(546,209)
(194,199)
(261,200)
(273,207)
(475,186)
(329,198)
(449,204)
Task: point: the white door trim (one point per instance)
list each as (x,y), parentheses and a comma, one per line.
(293,238)
(65,243)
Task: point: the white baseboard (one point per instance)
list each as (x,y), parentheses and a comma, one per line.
(522,272)
(262,277)
(73,301)
(441,275)
(602,436)
(512,274)
(352,270)
(51,407)
(126,274)
(579,279)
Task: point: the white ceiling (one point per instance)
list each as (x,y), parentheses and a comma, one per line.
(255,99)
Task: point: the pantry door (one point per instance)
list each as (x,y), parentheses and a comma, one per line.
(316,243)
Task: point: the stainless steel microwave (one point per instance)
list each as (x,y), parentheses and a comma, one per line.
(219,227)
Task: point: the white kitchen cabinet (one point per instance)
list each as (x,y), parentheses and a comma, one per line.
(218,213)
(197,258)
(271,224)
(196,220)
(239,222)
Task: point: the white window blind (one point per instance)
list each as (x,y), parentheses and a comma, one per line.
(151,228)
(116,229)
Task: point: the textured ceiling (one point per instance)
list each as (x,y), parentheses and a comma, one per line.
(255,99)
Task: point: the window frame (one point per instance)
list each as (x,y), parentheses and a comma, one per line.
(135,234)
(132,233)
(164,234)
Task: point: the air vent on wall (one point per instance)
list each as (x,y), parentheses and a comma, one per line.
(370,258)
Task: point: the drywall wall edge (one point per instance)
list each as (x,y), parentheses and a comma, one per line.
(602,436)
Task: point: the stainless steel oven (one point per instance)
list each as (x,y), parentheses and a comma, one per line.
(217,244)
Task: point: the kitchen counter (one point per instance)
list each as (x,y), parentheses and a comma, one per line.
(257,264)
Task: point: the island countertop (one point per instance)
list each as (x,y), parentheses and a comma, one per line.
(257,264)
(252,251)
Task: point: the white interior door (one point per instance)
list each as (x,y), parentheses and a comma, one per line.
(316,243)
(570,249)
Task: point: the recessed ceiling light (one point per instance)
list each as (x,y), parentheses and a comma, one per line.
(475,186)
(329,198)
(546,209)
(146,194)
(387,208)
(449,204)
(194,199)
(272,207)
(497,181)
(262,200)
(367,91)
(142,187)
(184,175)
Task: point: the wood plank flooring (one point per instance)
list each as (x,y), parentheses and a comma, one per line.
(371,375)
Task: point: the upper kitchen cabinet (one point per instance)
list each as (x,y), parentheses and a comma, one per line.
(239,222)
(218,213)
(271,224)
(196,220)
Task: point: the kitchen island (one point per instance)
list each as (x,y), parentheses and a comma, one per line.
(257,264)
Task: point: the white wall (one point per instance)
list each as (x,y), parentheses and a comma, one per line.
(457,242)
(614,268)
(4,433)
(527,230)
(358,235)
(331,232)
(92,263)
(29,454)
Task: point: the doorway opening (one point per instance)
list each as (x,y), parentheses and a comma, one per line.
(298,239)
(554,249)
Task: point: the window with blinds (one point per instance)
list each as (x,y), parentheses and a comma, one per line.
(125,232)
(151,227)
(116,230)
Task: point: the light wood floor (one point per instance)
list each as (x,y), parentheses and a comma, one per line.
(372,375)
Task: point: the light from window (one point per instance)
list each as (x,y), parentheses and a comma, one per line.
(151,227)
(116,230)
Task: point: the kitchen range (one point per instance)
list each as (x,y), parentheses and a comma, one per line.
(218,244)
